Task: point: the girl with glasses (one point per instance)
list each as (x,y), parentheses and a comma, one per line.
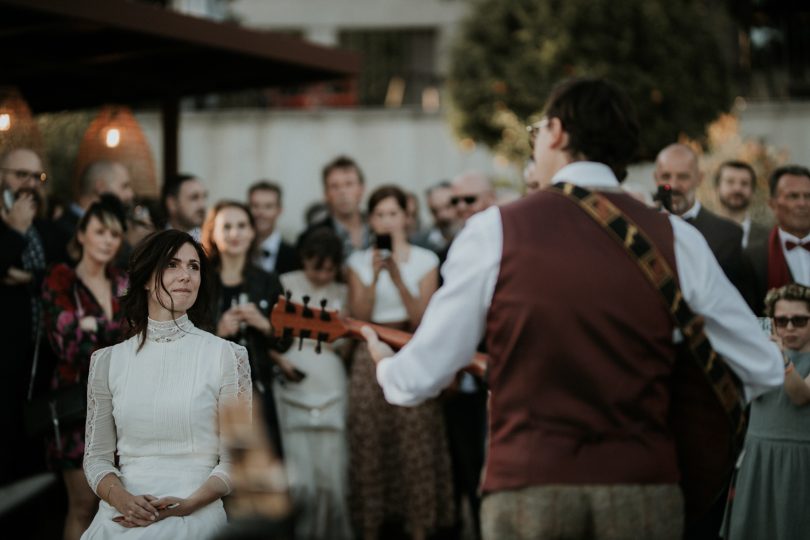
(769,500)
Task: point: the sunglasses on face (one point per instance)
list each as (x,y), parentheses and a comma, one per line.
(24,174)
(798,321)
(468,200)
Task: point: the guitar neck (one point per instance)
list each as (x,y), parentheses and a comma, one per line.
(397,339)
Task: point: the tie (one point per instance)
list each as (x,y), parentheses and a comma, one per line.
(790,246)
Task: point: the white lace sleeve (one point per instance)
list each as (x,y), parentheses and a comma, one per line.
(100,439)
(236,385)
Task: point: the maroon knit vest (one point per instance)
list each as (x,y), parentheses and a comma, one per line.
(581,352)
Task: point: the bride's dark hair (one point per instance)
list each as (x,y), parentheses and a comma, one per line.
(152,256)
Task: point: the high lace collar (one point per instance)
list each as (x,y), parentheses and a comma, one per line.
(166,331)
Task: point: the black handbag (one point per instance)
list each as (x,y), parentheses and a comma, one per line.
(60,408)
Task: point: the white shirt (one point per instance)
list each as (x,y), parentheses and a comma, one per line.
(454,322)
(388,306)
(746,227)
(798,258)
(271,245)
(693,212)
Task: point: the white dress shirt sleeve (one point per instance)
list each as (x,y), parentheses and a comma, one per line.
(455,319)
(730,326)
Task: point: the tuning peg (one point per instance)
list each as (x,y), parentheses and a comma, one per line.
(318,346)
(301,343)
(289,307)
(324,315)
(308,313)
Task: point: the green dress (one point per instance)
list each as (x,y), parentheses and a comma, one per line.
(772,493)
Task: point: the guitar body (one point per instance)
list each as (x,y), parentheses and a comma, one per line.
(707,440)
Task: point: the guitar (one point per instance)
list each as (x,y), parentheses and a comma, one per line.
(707,443)
(291,320)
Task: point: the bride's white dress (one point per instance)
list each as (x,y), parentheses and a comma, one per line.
(158,409)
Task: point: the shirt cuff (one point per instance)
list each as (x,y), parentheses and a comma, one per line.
(393,395)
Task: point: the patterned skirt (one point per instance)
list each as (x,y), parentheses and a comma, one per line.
(399,460)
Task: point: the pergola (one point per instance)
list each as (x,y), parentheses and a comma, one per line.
(71,54)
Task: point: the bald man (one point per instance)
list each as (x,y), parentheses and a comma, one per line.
(98,178)
(472,193)
(677,165)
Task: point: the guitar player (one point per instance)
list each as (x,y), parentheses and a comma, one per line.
(581,345)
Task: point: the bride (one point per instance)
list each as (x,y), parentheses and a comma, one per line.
(154,403)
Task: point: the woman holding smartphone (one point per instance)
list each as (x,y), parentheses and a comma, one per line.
(399,460)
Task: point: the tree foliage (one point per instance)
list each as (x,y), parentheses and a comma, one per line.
(665,53)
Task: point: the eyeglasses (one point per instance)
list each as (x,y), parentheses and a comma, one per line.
(24,174)
(468,199)
(534,129)
(798,321)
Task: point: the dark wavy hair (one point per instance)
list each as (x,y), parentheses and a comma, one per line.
(600,120)
(382,193)
(147,264)
(322,245)
(207,232)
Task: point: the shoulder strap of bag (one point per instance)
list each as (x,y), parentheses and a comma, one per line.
(655,268)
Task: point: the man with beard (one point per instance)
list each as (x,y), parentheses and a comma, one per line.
(677,166)
(784,256)
(343,188)
(735,182)
(184,199)
(28,244)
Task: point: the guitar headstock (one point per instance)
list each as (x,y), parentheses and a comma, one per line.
(292,320)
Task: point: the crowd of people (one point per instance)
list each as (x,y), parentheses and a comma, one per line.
(160,309)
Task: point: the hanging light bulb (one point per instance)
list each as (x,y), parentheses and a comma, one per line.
(113,138)
(5,121)
(115,135)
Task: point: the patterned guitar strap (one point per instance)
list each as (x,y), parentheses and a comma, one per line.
(635,242)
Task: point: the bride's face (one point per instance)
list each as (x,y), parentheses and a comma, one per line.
(181,278)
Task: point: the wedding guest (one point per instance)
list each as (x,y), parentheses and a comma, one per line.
(312,411)
(82,314)
(399,459)
(769,500)
(243,295)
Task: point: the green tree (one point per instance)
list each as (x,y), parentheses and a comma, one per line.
(665,53)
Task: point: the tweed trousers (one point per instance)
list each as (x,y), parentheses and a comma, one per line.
(587,512)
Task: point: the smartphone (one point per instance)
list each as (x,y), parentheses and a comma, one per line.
(664,195)
(383,243)
(8,199)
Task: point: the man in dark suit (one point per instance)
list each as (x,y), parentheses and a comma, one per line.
(783,256)
(28,244)
(273,254)
(677,166)
(735,182)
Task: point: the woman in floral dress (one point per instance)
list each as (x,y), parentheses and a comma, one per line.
(81,315)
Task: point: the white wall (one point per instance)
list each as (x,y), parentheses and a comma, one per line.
(231,149)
